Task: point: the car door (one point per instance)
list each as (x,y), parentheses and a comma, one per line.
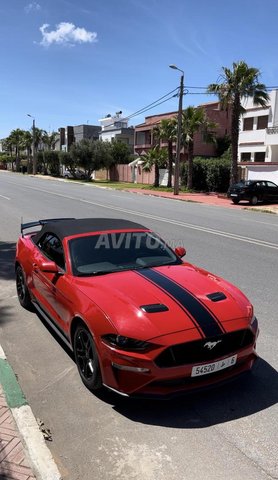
(272,192)
(52,289)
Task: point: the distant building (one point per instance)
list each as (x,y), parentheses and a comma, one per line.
(116,128)
(144,132)
(74,134)
(258,140)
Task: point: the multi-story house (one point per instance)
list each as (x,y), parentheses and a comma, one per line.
(116,128)
(258,140)
(70,134)
(144,133)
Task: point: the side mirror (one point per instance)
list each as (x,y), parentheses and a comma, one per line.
(180,251)
(49,267)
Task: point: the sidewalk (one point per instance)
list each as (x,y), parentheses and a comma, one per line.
(23,452)
(13,458)
(208,199)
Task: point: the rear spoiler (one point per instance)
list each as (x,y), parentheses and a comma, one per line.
(24,226)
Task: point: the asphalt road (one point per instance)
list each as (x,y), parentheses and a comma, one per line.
(230,432)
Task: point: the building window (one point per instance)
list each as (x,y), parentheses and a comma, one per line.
(245,156)
(248,123)
(259,157)
(262,122)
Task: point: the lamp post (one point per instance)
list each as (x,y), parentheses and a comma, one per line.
(178,148)
(33,146)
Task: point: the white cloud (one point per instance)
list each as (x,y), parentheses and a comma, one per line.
(32,7)
(66,34)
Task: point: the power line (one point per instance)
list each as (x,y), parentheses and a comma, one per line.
(148,107)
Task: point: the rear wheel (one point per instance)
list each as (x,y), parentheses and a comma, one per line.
(235,201)
(254,200)
(22,289)
(86,358)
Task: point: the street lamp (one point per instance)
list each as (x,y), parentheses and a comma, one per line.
(33,146)
(178,149)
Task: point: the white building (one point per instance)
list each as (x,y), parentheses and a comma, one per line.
(258,140)
(116,128)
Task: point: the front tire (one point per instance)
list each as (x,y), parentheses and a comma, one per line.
(86,358)
(254,200)
(22,289)
(235,201)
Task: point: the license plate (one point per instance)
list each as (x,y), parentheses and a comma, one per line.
(234,195)
(198,370)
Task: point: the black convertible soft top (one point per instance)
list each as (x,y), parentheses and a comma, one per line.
(66,228)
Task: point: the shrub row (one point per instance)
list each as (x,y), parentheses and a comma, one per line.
(209,174)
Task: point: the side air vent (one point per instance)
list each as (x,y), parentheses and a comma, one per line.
(216,296)
(154,308)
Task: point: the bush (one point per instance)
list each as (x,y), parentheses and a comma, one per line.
(209,174)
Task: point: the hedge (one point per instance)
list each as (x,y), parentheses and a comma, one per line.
(209,174)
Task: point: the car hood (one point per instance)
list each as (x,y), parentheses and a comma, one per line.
(125,297)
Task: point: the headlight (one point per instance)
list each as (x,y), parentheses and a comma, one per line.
(254,323)
(126,343)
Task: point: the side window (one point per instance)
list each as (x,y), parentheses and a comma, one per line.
(51,247)
(272,185)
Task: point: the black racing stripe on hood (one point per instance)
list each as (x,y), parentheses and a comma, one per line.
(201,316)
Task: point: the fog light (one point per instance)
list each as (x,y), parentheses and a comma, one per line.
(130,369)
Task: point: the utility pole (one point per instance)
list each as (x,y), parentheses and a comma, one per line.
(178,147)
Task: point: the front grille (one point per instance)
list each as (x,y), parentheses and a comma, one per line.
(197,352)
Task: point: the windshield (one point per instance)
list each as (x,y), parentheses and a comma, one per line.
(114,252)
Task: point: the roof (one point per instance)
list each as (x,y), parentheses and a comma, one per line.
(67,228)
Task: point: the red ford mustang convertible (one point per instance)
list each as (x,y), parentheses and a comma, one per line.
(139,320)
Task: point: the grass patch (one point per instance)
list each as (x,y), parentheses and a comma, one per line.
(143,186)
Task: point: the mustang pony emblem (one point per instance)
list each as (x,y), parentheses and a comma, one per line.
(211,345)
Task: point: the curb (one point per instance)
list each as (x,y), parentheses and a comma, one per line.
(39,455)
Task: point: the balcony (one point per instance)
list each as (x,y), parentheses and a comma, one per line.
(271,136)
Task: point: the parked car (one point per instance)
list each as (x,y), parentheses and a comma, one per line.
(255,191)
(77,174)
(138,319)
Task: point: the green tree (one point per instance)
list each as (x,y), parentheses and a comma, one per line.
(49,140)
(167,132)
(237,84)
(8,148)
(156,157)
(194,119)
(16,140)
(27,142)
(120,152)
(90,155)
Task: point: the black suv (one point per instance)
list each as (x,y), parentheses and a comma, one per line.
(255,191)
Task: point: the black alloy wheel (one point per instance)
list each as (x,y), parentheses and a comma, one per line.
(22,289)
(254,200)
(86,358)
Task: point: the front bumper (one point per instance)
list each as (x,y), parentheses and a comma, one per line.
(119,372)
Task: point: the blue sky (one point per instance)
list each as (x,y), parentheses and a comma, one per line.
(68,62)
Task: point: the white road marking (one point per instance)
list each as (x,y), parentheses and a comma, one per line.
(191,226)
(3,196)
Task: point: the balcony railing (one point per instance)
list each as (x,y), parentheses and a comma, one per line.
(272,130)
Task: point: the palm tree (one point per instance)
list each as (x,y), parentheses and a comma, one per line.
(155,157)
(49,139)
(27,141)
(237,84)
(194,119)
(16,137)
(8,147)
(167,131)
